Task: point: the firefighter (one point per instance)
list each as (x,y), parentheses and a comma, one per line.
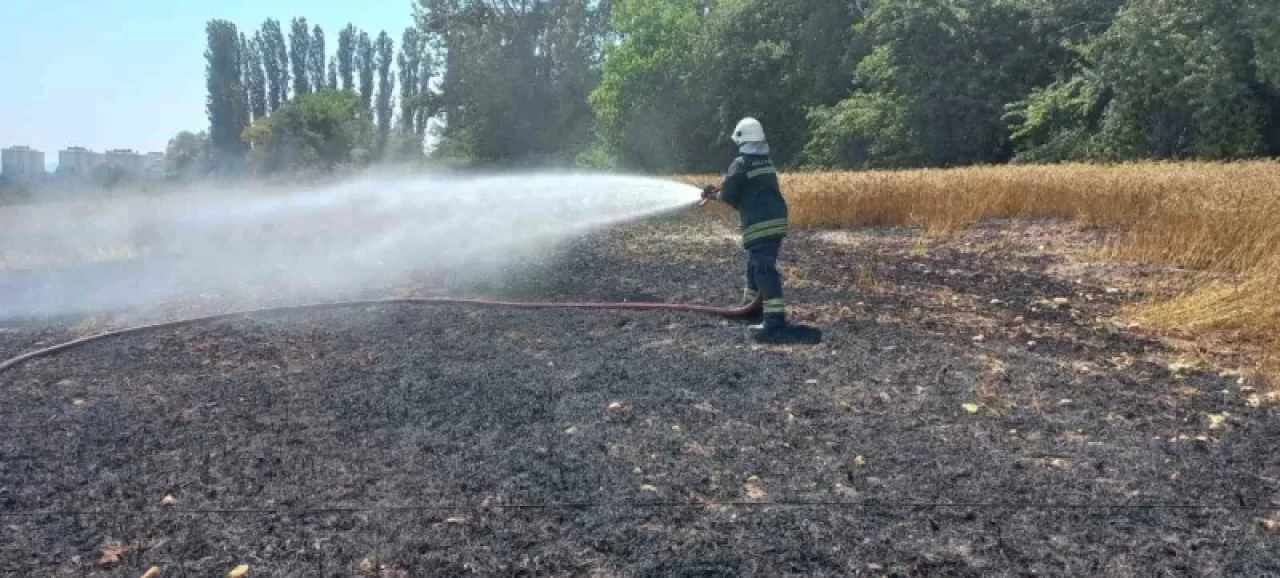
(751,187)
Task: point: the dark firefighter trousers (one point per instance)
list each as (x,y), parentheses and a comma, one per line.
(763,279)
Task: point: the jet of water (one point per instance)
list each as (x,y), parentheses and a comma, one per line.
(311,244)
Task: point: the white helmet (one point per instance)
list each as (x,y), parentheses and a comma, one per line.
(748,130)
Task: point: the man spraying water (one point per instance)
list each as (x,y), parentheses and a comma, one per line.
(751,187)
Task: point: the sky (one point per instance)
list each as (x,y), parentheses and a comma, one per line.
(129,74)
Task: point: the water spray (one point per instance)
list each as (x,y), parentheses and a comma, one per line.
(307,244)
(653,197)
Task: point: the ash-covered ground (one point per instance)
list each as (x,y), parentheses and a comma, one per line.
(975,410)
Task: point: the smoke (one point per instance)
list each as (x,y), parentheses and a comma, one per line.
(302,245)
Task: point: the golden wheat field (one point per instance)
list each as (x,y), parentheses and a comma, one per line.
(1222,219)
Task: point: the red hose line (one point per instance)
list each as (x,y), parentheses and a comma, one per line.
(729,312)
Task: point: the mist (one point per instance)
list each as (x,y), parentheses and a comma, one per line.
(306,244)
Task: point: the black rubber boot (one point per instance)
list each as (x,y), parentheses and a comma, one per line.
(776,329)
(770,323)
(770,329)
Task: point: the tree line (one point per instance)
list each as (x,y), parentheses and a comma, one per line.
(912,83)
(657,84)
(278,104)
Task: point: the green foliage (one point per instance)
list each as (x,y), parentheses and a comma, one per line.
(933,88)
(386,85)
(187,156)
(596,157)
(345,56)
(227,103)
(428,102)
(254,78)
(658,84)
(315,60)
(515,76)
(681,76)
(773,61)
(941,82)
(410,63)
(458,148)
(1056,123)
(299,56)
(1180,73)
(643,95)
(275,60)
(404,148)
(1262,19)
(1167,79)
(317,131)
(365,64)
(866,130)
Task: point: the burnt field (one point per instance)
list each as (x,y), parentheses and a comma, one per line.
(976,409)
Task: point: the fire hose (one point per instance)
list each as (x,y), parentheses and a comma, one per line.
(727,312)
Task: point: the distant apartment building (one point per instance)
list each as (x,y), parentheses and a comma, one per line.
(83,162)
(21,163)
(125,160)
(153,164)
(78,160)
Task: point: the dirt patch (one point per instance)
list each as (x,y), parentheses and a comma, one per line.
(450,441)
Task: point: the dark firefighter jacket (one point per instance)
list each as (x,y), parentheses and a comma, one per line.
(751,187)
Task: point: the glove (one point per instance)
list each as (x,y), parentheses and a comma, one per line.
(709,192)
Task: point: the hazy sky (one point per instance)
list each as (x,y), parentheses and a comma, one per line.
(130,73)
